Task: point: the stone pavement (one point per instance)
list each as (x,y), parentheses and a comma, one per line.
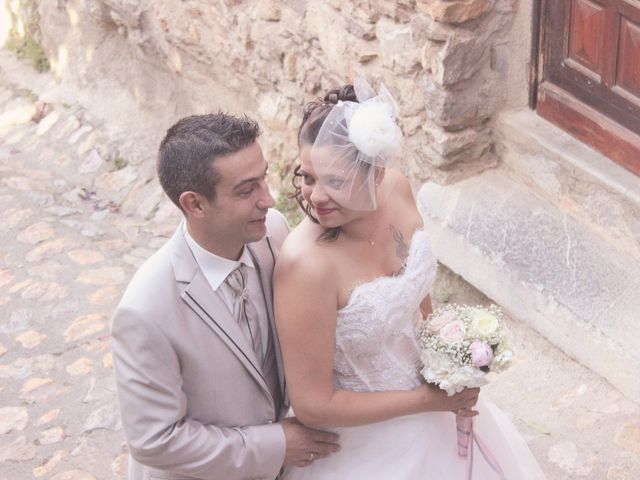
(81,211)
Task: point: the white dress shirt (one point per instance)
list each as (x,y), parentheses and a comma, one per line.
(216,269)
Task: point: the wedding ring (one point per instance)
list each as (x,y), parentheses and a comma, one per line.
(459,412)
(311,456)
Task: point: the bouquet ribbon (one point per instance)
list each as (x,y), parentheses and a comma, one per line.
(466,437)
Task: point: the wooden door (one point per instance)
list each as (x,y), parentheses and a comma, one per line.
(589,82)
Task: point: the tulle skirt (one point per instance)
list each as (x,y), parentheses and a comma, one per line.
(424,446)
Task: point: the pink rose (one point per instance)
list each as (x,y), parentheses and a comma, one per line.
(453,331)
(481,353)
(437,322)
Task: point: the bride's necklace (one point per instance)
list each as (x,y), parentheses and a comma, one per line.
(371,238)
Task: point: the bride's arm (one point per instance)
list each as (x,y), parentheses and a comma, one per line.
(425,307)
(305,305)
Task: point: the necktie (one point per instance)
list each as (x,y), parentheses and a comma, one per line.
(244,311)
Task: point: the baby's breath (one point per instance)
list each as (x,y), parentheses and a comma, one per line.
(457,354)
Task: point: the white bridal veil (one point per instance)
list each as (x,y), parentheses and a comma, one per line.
(355,142)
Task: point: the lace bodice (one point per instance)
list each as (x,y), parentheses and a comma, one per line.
(376,348)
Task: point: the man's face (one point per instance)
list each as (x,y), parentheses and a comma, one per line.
(237,214)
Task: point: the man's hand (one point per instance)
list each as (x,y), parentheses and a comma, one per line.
(304,445)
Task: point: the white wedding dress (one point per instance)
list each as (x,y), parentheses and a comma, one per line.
(376,350)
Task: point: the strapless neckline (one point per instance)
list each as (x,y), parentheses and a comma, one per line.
(364,285)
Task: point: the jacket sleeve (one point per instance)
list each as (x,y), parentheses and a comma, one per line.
(153,408)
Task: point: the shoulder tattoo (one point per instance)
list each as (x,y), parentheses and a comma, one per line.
(402,249)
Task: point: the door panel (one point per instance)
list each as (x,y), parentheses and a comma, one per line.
(590,55)
(628,71)
(586,37)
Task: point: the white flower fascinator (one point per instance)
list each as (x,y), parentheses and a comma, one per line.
(356,140)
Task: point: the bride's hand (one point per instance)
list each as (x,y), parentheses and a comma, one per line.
(461,403)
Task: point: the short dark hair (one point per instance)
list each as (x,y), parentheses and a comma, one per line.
(190,146)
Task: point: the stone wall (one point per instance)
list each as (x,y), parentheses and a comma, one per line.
(446,62)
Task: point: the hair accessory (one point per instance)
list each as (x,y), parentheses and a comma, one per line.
(355,139)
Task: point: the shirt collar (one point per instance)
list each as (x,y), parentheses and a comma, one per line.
(215,268)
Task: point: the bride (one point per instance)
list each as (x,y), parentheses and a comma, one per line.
(351,283)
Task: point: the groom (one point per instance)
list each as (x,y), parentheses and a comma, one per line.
(196,356)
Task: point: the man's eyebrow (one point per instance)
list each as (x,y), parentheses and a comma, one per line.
(250,180)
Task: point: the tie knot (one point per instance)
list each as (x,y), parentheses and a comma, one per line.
(237,280)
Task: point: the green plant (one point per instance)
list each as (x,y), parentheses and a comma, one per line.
(289,207)
(28,94)
(120,163)
(26,44)
(280,180)
(444,295)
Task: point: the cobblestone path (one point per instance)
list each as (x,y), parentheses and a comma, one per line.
(80,211)
(68,249)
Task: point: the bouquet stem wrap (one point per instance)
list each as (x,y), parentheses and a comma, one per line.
(466,437)
(464,426)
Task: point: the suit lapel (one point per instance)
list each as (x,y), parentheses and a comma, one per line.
(210,308)
(264,260)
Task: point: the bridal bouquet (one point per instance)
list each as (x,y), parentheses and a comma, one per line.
(460,344)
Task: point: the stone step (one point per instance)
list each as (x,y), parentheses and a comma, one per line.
(544,267)
(576,179)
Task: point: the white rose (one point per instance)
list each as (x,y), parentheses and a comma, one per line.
(373,130)
(437,364)
(483,323)
(429,375)
(449,388)
(501,361)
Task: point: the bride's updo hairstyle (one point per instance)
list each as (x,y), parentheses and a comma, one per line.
(314,114)
(353,135)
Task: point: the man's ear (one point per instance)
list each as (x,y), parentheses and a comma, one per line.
(192,204)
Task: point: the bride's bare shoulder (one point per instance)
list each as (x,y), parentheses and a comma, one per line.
(399,183)
(302,254)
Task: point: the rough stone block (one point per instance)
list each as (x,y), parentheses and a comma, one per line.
(269,10)
(453,147)
(387,8)
(455,11)
(366,57)
(460,59)
(126,13)
(455,109)
(329,26)
(397,49)
(500,58)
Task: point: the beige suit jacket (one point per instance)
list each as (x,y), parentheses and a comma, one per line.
(193,399)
